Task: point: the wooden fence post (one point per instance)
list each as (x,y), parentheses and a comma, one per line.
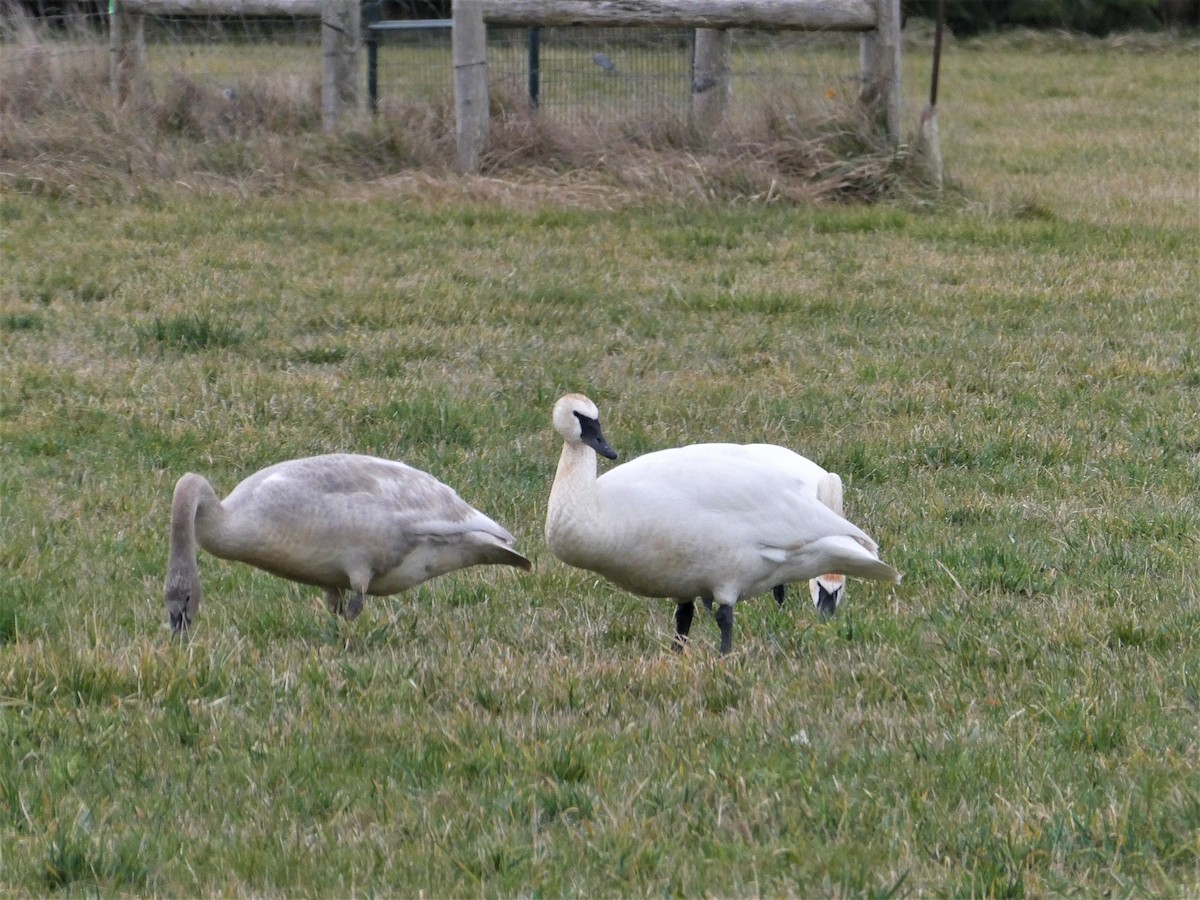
(710,79)
(340,33)
(127,73)
(879,58)
(470,83)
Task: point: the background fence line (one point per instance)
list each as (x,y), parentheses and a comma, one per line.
(878,20)
(341,41)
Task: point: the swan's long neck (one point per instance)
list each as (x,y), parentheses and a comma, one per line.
(194,496)
(573,508)
(194,499)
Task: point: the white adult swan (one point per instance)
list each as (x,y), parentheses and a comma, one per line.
(721,522)
(341,522)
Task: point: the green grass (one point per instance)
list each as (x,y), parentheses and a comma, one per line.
(1008,382)
(190,331)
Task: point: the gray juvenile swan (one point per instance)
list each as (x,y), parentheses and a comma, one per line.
(719,522)
(341,522)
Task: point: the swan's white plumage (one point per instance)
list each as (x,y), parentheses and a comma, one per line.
(343,522)
(719,522)
(827,590)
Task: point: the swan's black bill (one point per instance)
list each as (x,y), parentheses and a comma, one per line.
(827,601)
(179,622)
(590,434)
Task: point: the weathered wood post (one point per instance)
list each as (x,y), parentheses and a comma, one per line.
(807,15)
(879,58)
(470,82)
(127,73)
(340,42)
(710,79)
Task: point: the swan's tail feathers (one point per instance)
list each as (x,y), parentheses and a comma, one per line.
(844,554)
(876,570)
(829,492)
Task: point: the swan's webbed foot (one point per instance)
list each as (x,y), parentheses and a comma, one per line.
(683,624)
(725,623)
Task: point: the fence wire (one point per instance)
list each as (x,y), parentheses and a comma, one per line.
(577,76)
(586,75)
(225,51)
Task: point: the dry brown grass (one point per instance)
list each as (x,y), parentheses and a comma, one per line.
(781,149)
(64,136)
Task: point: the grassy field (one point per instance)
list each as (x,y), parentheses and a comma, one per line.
(1008,382)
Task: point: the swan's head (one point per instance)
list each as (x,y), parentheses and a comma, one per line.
(827,592)
(578,421)
(182,594)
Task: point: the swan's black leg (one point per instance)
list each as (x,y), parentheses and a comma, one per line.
(725,623)
(780,592)
(333,600)
(683,623)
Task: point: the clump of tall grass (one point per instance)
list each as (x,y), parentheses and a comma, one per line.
(192,331)
(65,135)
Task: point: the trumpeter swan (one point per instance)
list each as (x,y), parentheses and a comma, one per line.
(719,522)
(341,522)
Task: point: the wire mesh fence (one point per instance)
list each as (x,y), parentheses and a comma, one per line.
(244,73)
(232,54)
(216,50)
(581,76)
(595,74)
(571,74)
(576,76)
(409,62)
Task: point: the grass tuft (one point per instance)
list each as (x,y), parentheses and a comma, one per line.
(10,616)
(73,861)
(189,332)
(21,322)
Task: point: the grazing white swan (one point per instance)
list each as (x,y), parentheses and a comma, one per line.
(341,522)
(719,522)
